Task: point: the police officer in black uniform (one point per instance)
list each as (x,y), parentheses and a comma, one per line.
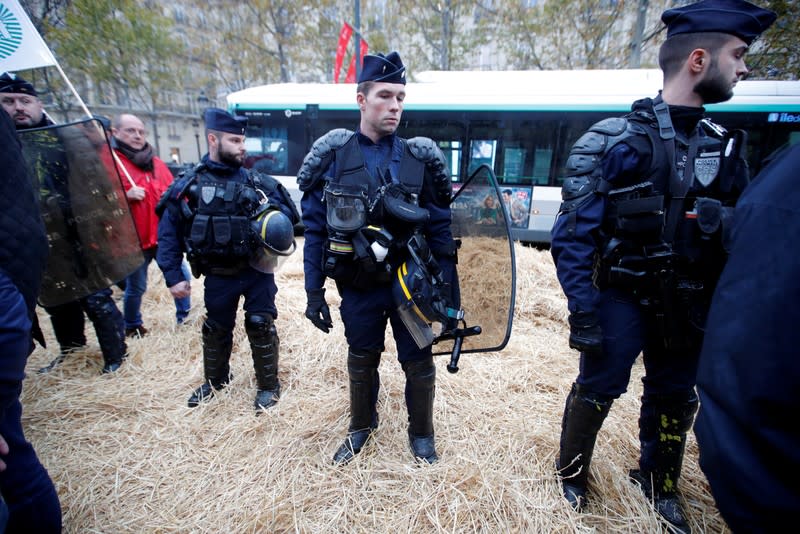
(365,193)
(208,213)
(21,102)
(640,241)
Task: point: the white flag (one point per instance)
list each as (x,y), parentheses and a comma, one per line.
(21,46)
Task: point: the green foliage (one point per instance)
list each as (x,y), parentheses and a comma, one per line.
(575,34)
(441,34)
(119,45)
(776,54)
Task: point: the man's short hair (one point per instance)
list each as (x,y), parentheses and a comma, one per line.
(365,87)
(675,51)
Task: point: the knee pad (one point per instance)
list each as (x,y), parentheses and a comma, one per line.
(254,322)
(420,371)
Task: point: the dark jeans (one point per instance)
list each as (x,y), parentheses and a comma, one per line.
(136,285)
(25,485)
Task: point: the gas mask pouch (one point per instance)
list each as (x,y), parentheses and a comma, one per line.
(346,207)
(399,203)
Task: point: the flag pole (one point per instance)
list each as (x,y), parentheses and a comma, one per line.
(97,124)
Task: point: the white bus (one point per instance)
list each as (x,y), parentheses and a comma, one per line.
(521,123)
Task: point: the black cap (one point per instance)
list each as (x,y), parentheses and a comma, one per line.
(736,17)
(221,120)
(380,68)
(11,83)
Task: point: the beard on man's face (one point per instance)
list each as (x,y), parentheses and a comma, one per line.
(231,159)
(714,87)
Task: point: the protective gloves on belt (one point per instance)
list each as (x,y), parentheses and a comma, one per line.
(317,309)
(585,334)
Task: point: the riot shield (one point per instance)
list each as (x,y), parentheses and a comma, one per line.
(92,237)
(486,268)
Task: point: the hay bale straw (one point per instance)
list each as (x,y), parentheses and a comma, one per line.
(128,456)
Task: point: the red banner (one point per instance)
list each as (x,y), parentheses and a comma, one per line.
(351,70)
(344,37)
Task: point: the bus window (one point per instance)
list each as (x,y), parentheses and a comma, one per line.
(449,134)
(513,163)
(541,165)
(482,152)
(452,155)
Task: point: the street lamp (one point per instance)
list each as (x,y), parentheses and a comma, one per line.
(202,101)
(196,125)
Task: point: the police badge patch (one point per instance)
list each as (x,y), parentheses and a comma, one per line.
(207,193)
(706,167)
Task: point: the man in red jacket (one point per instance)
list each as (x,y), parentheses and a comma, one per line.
(152,178)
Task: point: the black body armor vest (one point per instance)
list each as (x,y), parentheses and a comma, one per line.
(392,214)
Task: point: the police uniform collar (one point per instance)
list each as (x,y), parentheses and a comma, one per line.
(385,140)
(218,168)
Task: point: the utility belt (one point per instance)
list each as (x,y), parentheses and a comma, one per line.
(675,299)
(203,266)
(639,269)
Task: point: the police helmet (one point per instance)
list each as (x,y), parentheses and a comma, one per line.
(418,301)
(274,239)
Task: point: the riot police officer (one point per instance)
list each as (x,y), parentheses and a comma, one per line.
(209,213)
(21,101)
(365,194)
(640,241)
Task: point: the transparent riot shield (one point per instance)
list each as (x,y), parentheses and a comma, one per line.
(92,237)
(486,269)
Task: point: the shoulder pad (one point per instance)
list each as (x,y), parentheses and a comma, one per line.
(713,129)
(427,151)
(589,149)
(577,186)
(177,190)
(319,157)
(611,126)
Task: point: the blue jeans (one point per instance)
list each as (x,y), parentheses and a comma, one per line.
(136,285)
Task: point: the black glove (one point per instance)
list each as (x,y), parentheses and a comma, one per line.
(585,334)
(317,309)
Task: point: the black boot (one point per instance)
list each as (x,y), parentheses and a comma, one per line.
(584,414)
(362,367)
(68,323)
(264,344)
(420,390)
(217,346)
(663,424)
(109,327)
